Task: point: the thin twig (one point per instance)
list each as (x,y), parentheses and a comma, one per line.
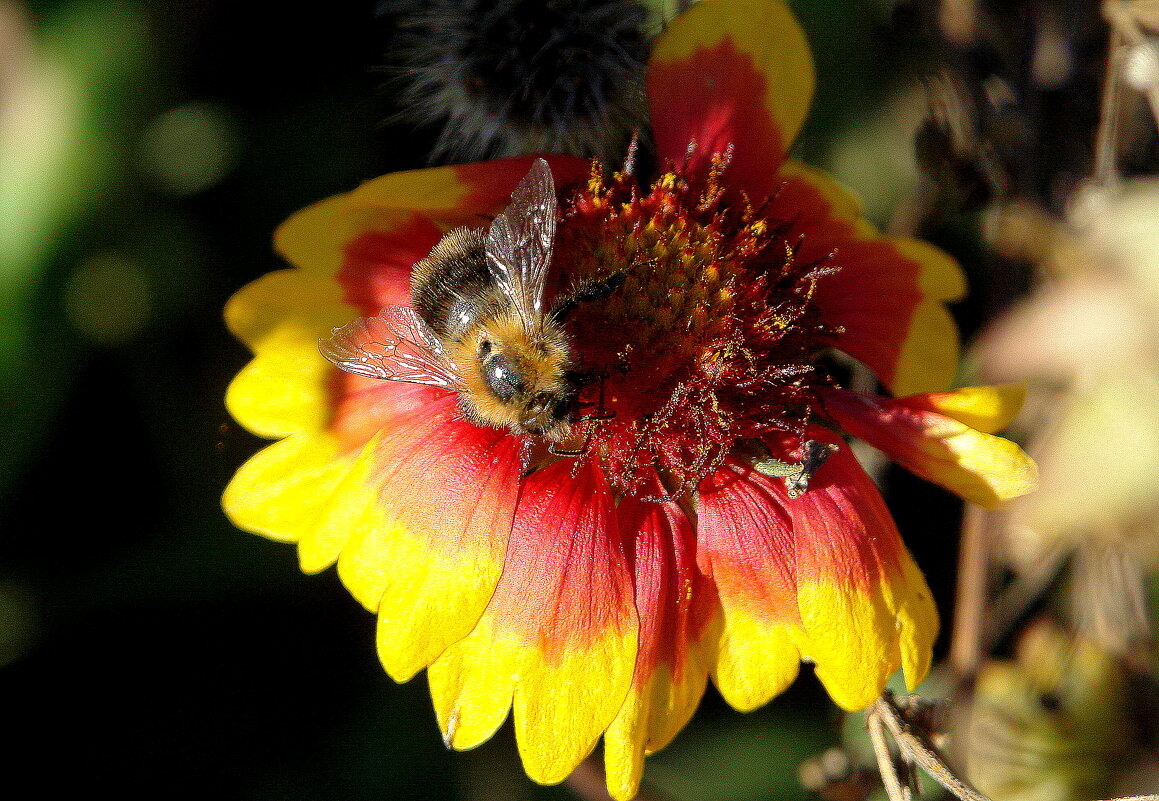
(1127,31)
(885,765)
(915,749)
(1128,20)
(1106,136)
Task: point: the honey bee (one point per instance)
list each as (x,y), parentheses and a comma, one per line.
(477,323)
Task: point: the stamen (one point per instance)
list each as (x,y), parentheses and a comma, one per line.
(709,334)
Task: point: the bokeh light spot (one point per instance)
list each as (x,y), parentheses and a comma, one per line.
(108,298)
(188,149)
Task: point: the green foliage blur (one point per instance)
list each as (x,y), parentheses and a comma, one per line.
(147,648)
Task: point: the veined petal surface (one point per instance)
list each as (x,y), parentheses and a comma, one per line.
(317,238)
(558,640)
(677,606)
(890,295)
(280,316)
(865,608)
(428,568)
(746,545)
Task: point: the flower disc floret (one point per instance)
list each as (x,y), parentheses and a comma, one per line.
(710,337)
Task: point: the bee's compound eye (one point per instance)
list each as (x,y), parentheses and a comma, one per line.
(502,379)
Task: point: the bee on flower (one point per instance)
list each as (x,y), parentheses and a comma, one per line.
(672,496)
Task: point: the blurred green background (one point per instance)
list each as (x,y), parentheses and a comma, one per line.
(147,648)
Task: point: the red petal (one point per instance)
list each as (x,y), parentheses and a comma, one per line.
(566,582)
(559,637)
(376,263)
(746,542)
(489,184)
(376,266)
(364,406)
(677,606)
(675,601)
(737,74)
(864,608)
(933,435)
(446,491)
(746,546)
(888,296)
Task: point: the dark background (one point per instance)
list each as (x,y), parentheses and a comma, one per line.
(149,649)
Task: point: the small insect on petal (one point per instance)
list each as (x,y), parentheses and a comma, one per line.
(797,474)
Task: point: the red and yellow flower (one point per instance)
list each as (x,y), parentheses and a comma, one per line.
(595,594)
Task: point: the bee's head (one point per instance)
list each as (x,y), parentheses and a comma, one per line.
(520,383)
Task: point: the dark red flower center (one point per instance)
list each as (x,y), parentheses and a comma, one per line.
(700,331)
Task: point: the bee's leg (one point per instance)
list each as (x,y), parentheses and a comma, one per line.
(591,429)
(598,416)
(570,452)
(584,378)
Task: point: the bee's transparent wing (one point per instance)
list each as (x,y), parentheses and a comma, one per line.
(396,345)
(520,241)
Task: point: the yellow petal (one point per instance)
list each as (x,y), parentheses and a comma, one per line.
(987,409)
(284,389)
(911,601)
(679,621)
(985,469)
(445,491)
(278,492)
(843,204)
(756,660)
(560,631)
(853,640)
(865,609)
(472,684)
(314,238)
(929,355)
(562,708)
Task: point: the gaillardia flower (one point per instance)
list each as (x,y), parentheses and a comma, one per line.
(702,514)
